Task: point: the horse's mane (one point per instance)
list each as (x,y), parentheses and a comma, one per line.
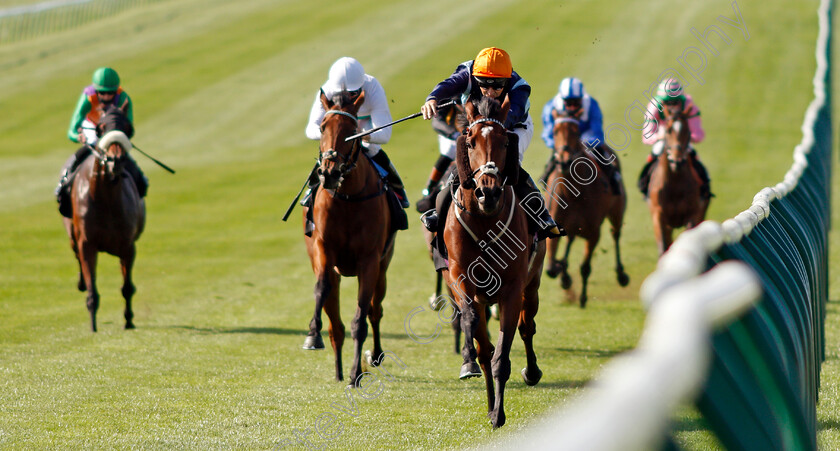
(488,106)
(114,118)
(342,99)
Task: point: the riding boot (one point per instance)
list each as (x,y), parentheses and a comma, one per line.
(435,220)
(549,167)
(543,224)
(644,176)
(705,183)
(427,202)
(309,200)
(62,191)
(140,180)
(393,178)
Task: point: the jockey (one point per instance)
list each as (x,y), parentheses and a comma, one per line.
(104,91)
(347,75)
(670,94)
(444,123)
(576,102)
(491,74)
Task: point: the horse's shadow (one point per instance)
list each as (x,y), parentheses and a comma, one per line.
(256,330)
(232,330)
(603,353)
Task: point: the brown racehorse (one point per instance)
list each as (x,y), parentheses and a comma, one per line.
(674,196)
(352,235)
(492,258)
(108,216)
(579,197)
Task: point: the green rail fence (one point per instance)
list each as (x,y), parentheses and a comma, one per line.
(735,323)
(25,22)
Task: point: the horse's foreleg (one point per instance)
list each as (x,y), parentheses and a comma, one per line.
(325,286)
(469,326)
(375,316)
(510,308)
(586,266)
(68,226)
(87,254)
(332,309)
(484,350)
(368,279)
(565,279)
(553,268)
(531,374)
(661,232)
(126,264)
(615,221)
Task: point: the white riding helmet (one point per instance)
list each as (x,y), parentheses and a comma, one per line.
(346,74)
(570,88)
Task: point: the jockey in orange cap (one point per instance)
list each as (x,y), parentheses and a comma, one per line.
(491,74)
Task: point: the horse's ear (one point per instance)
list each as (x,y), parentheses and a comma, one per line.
(469,110)
(325,101)
(360,99)
(462,162)
(503,112)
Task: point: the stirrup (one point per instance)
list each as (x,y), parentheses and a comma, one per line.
(430,220)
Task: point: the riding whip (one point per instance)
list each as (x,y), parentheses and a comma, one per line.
(294,202)
(412,116)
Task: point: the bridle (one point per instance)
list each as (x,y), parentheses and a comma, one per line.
(567,148)
(346,163)
(490,167)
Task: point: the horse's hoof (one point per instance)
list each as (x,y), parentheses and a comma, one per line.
(313,342)
(552,273)
(469,370)
(129,326)
(566,281)
(370,360)
(531,380)
(623,279)
(497,418)
(436,303)
(583,302)
(81,284)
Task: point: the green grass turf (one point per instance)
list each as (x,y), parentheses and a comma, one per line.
(222,91)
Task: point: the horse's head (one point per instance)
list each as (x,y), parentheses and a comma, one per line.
(676,137)
(483,159)
(566,137)
(338,157)
(111,155)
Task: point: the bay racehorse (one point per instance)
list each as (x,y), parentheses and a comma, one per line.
(674,196)
(108,212)
(492,257)
(352,236)
(579,197)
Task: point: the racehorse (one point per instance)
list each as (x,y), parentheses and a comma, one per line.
(492,257)
(108,212)
(578,196)
(674,197)
(352,235)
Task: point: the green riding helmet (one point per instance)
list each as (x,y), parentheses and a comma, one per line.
(670,90)
(106,79)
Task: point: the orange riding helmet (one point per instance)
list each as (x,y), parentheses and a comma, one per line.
(492,62)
